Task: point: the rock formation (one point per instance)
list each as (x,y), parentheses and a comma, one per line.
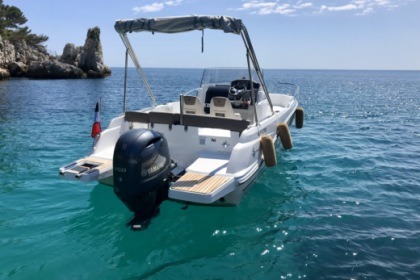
(7,55)
(21,60)
(91,58)
(53,69)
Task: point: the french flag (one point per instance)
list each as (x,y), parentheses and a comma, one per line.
(96,127)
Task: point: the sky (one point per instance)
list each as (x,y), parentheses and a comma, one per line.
(286,34)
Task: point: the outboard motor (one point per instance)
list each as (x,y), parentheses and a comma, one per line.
(141,166)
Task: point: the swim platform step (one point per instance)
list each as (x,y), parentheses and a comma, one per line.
(201,188)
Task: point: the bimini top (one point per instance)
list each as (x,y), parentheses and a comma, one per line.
(179,24)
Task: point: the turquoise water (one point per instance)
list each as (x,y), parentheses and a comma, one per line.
(344,203)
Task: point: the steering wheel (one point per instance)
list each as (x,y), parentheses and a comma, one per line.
(236,90)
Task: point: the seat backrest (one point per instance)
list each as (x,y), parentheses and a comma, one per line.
(192,105)
(213,91)
(221,107)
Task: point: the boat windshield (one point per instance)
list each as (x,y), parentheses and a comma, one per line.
(221,76)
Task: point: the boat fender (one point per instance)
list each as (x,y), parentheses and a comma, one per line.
(269,152)
(299,116)
(284,133)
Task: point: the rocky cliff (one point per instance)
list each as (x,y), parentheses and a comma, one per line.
(21,60)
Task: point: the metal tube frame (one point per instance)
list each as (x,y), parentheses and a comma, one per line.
(250,57)
(125,80)
(251,53)
(133,56)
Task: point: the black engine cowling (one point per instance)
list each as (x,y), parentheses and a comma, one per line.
(142,165)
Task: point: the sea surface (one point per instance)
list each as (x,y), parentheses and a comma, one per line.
(344,203)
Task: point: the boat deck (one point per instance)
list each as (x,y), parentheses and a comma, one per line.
(87,168)
(98,161)
(201,188)
(199,183)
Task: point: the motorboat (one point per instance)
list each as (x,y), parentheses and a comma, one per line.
(206,147)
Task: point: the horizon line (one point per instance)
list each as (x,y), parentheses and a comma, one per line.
(287,69)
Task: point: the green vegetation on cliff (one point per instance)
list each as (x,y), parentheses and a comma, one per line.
(12,29)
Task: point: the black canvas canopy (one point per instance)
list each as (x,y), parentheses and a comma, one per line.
(179,24)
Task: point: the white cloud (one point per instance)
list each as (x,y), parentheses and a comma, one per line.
(382,2)
(365,7)
(347,7)
(173,3)
(303,5)
(265,8)
(365,12)
(294,7)
(262,8)
(156,6)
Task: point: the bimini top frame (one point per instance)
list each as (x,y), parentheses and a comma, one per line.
(184,24)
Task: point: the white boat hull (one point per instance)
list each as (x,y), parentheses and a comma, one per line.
(206,151)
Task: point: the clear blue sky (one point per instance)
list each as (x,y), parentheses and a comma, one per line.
(287,34)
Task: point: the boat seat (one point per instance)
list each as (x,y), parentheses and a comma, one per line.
(221,107)
(192,105)
(213,91)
